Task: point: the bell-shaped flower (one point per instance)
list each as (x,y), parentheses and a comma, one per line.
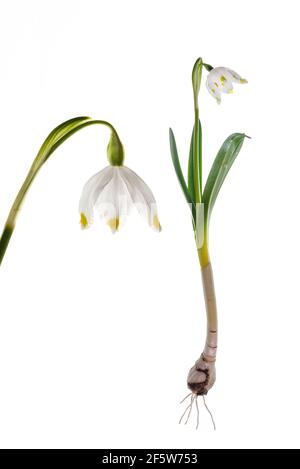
(112,193)
(220,80)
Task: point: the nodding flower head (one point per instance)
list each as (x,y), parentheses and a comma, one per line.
(112,192)
(220,80)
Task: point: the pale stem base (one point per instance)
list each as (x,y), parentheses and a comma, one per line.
(202,375)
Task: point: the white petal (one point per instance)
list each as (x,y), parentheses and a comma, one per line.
(91,191)
(231,75)
(236,77)
(222,71)
(226,86)
(225,80)
(142,196)
(214,89)
(220,80)
(114,202)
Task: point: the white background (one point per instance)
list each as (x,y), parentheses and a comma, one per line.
(98,332)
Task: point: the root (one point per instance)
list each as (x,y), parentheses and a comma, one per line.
(185,398)
(197,407)
(190,411)
(211,416)
(189,408)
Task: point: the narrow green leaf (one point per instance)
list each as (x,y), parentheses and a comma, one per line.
(219,170)
(191,178)
(196,76)
(177,167)
(191,185)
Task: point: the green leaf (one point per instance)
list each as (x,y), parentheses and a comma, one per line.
(177,167)
(219,170)
(191,178)
(191,185)
(196,76)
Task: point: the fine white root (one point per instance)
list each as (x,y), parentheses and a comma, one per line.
(189,408)
(211,416)
(197,407)
(185,398)
(190,411)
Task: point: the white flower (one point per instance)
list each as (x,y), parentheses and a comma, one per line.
(112,192)
(220,79)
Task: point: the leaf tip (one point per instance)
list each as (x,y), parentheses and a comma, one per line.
(171,134)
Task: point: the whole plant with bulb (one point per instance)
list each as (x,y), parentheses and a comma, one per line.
(201,200)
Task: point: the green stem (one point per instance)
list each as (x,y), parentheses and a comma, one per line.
(52,142)
(12,216)
(208,67)
(5,238)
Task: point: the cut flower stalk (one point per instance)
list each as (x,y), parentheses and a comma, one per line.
(106,191)
(52,142)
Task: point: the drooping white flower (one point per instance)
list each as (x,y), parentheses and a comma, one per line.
(220,80)
(112,192)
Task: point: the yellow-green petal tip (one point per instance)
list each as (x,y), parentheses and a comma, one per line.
(83,221)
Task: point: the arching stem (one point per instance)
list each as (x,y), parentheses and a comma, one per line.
(52,142)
